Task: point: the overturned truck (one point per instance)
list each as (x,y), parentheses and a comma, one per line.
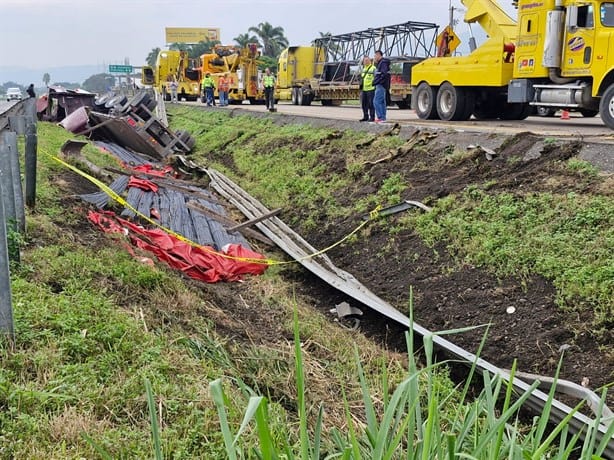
(131,123)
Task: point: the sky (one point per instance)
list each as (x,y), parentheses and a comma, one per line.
(39,34)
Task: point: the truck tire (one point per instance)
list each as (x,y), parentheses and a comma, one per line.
(587,113)
(451,102)
(300,97)
(403,105)
(186,138)
(326,102)
(606,107)
(545,111)
(303,99)
(425,98)
(294,96)
(513,111)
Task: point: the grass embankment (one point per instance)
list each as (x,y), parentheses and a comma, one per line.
(92,324)
(566,237)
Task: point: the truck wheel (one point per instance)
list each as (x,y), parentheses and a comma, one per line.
(606,107)
(326,102)
(587,113)
(304,99)
(450,102)
(425,101)
(545,111)
(294,97)
(514,111)
(300,97)
(403,105)
(186,138)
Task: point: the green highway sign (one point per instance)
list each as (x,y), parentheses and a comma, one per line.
(120,68)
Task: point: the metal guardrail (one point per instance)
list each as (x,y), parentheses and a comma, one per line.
(18,119)
(299,249)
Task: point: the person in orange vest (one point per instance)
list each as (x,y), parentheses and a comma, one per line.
(223,86)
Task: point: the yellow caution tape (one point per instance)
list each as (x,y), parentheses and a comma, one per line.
(116,197)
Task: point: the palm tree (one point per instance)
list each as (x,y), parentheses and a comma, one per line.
(245,39)
(152,57)
(272,38)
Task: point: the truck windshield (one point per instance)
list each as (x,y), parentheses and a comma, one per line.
(607,14)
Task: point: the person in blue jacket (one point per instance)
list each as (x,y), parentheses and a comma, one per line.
(381,81)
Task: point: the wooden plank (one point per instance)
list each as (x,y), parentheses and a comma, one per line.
(254,221)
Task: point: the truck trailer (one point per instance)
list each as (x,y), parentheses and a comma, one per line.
(329,70)
(554,56)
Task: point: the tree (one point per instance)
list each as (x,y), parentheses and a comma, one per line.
(272,38)
(46,78)
(245,39)
(99,83)
(267,61)
(202,47)
(152,56)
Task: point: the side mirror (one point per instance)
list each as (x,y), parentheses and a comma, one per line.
(572,18)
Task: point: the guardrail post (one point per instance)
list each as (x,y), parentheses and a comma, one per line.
(16,177)
(30,163)
(6,305)
(8,194)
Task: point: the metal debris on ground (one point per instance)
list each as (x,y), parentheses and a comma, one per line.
(490,154)
(130,123)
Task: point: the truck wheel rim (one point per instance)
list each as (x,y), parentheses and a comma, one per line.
(424,102)
(611,107)
(446,102)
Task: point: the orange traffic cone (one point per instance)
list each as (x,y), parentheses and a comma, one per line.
(565,115)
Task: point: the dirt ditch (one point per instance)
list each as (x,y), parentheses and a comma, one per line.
(448,295)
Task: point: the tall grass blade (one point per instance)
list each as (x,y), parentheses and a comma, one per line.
(253,405)
(217,393)
(267,448)
(153,417)
(366,397)
(300,388)
(97,447)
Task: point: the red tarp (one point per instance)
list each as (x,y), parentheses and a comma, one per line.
(201,263)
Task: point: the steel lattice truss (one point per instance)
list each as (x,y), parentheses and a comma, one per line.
(407,40)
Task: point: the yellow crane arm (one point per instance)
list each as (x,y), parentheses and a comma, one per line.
(491,17)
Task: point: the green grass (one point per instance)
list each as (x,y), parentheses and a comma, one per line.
(115,357)
(565,238)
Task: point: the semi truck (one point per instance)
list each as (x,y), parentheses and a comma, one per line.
(554,56)
(329,70)
(173,64)
(241,67)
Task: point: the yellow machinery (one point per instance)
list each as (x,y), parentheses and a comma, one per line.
(241,65)
(173,64)
(555,56)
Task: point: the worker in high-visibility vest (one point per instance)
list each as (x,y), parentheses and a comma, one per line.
(268,81)
(208,85)
(368,90)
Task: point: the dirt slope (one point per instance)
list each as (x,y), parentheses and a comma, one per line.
(449,296)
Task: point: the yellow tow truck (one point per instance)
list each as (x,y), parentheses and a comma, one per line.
(241,65)
(173,64)
(555,55)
